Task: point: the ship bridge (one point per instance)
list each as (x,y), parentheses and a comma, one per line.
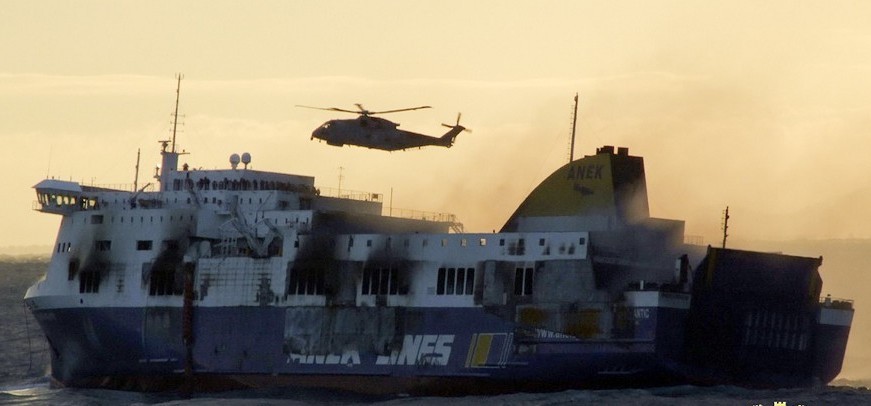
(62,197)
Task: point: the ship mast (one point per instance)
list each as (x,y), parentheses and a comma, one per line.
(175,114)
(169,162)
(725,225)
(574,126)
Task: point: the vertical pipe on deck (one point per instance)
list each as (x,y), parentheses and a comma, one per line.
(188,331)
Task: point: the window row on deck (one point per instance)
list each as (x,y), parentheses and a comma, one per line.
(164,279)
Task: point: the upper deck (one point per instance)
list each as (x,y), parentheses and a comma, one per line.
(239,192)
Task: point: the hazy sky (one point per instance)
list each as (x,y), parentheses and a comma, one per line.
(762,106)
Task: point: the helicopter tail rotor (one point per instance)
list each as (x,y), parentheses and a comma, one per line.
(457,125)
(448,139)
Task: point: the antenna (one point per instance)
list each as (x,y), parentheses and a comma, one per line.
(50,151)
(574,126)
(725,225)
(136,178)
(340,181)
(175,114)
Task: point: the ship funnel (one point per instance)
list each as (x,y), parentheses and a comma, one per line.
(599,191)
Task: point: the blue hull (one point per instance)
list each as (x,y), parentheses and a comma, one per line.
(437,350)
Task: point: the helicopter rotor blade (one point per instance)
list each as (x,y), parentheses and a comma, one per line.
(329,109)
(398,110)
(362,110)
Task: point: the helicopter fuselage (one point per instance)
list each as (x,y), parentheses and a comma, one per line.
(378,133)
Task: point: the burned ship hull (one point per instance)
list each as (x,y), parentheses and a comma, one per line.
(259,280)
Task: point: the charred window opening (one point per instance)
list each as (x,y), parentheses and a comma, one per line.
(165,281)
(89,282)
(143,245)
(103,245)
(97,219)
(517,247)
(72,270)
(165,276)
(169,245)
(306,280)
(455,281)
(523,280)
(383,281)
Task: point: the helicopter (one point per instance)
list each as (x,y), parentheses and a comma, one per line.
(378,133)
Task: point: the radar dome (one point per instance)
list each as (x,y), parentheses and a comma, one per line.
(234,160)
(246,159)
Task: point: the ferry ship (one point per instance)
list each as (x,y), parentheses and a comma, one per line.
(233,278)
